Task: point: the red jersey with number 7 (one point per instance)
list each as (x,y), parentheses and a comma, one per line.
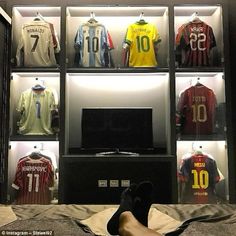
(196,39)
(197,105)
(33,178)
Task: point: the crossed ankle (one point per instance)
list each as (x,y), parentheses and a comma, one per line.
(134,207)
(127,223)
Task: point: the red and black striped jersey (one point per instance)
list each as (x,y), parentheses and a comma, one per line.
(200,174)
(197,106)
(195,39)
(33,178)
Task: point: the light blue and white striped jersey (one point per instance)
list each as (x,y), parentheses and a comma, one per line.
(92,41)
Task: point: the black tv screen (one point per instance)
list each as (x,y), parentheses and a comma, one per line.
(117,128)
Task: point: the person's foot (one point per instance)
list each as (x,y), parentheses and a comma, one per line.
(136,199)
(142,201)
(126,204)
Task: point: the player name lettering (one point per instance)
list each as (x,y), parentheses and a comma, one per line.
(199,98)
(35,30)
(34,168)
(142,30)
(200,193)
(197,29)
(199,164)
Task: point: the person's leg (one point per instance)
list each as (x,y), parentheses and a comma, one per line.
(136,199)
(130,226)
(126,204)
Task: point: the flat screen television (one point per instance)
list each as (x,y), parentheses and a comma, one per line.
(124,129)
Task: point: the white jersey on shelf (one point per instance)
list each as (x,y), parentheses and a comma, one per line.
(36,47)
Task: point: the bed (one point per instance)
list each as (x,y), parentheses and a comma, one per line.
(66,220)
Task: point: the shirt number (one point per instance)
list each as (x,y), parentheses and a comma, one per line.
(200,179)
(35,42)
(143,43)
(197,41)
(33,177)
(199,113)
(94,42)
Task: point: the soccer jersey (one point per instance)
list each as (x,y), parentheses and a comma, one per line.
(36,45)
(196,39)
(197,105)
(34,176)
(200,174)
(35,111)
(92,41)
(141,38)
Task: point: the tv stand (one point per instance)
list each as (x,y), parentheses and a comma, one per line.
(102,179)
(116,152)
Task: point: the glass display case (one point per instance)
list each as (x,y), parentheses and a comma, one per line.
(202,157)
(33,155)
(115,23)
(36,36)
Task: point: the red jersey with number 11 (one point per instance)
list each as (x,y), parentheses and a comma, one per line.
(196,38)
(33,179)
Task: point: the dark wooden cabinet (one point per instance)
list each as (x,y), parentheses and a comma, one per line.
(82,174)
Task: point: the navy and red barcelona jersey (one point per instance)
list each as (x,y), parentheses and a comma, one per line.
(196,39)
(197,105)
(200,174)
(33,179)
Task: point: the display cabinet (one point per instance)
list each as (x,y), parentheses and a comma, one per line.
(34,104)
(101,91)
(202,157)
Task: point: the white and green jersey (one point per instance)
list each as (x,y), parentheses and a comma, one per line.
(36,47)
(35,108)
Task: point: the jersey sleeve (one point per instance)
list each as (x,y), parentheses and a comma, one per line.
(51,48)
(156,36)
(183,173)
(182,102)
(18,181)
(109,41)
(104,38)
(212,103)
(179,35)
(50,171)
(216,175)
(79,37)
(52,100)
(212,38)
(184,39)
(129,36)
(21,103)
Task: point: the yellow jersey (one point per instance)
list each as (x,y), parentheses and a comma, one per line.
(142,37)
